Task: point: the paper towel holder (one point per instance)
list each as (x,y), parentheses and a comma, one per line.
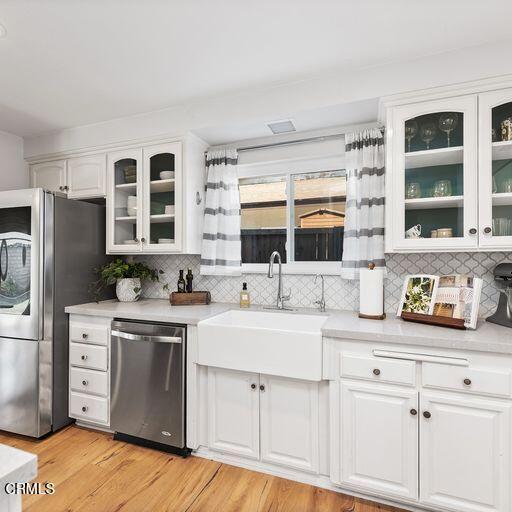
(371,266)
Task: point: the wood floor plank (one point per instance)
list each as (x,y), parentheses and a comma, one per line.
(94,473)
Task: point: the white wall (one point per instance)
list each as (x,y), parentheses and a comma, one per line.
(13,168)
(283,101)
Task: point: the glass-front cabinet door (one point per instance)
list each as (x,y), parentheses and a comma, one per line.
(434,175)
(162,191)
(124,201)
(495,176)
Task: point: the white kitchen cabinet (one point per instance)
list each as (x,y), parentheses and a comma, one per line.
(86,176)
(465,453)
(233,412)
(289,422)
(378,444)
(49,175)
(272,419)
(495,169)
(432,178)
(155,198)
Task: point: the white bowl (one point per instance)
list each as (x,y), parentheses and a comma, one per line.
(167,175)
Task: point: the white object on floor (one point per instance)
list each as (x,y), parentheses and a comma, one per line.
(16,466)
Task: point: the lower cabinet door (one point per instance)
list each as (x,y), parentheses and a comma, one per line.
(289,422)
(233,412)
(379,439)
(465,453)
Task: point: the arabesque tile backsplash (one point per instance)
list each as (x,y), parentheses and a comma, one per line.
(339,293)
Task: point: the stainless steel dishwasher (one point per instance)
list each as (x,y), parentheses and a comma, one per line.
(148,384)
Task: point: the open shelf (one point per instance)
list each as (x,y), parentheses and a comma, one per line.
(127,186)
(128,218)
(434,157)
(502,199)
(164,217)
(502,150)
(162,185)
(430,203)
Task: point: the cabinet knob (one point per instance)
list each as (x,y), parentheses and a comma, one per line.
(66,188)
(262,388)
(487,230)
(467,382)
(253,386)
(376,371)
(85,335)
(413,412)
(84,358)
(136,240)
(427,415)
(84,409)
(84,383)
(472,231)
(61,188)
(143,240)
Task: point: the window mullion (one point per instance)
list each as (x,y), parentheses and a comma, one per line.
(290,217)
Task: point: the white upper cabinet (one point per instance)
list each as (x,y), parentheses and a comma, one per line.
(495,163)
(432,176)
(155,198)
(49,175)
(86,176)
(449,170)
(465,453)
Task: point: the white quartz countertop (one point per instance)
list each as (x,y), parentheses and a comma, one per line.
(340,324)
(152,310)
(16,466)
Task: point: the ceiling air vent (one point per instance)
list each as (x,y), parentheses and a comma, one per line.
(281,127)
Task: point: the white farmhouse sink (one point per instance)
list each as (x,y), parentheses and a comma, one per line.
(274,343)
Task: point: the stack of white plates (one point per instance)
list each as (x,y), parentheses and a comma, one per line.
(166,240)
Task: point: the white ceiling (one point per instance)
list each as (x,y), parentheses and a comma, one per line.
(66,63)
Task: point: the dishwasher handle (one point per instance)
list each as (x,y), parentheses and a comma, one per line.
(141,337)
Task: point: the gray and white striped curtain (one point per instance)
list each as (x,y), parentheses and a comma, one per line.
(221,252)
(363,240)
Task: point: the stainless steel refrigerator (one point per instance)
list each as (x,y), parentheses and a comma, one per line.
(49,247)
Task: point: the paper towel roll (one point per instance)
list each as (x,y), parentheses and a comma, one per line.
(371,292)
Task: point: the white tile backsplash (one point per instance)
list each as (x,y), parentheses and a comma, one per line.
(339,293)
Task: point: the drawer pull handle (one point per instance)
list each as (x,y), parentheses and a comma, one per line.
(262,388)
(253,386)
(84,383)
(83,358)
(84,408)
(413,412)
(467,382)
(376,371)
(85,336)
(427,415)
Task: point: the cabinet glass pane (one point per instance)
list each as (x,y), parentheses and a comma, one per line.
(125,201)
(434,176)
(162,198)
(501,135)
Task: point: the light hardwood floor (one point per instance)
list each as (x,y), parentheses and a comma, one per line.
(94,473)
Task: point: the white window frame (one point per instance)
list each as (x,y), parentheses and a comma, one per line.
(288,169)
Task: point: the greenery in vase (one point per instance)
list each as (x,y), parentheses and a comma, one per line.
(119,269)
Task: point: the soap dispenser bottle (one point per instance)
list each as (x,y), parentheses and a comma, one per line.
(245,297)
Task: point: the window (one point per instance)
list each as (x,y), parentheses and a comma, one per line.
(300,215)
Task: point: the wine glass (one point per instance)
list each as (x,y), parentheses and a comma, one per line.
(411,129)
(447,123)
(428,132)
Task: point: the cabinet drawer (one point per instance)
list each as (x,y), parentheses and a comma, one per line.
(88,356)
(90,408)
(83,333)
(378,370)
(472,380)
(88,381)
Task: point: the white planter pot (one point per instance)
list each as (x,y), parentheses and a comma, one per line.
(125,289)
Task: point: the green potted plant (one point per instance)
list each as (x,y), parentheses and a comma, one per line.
(127,276)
